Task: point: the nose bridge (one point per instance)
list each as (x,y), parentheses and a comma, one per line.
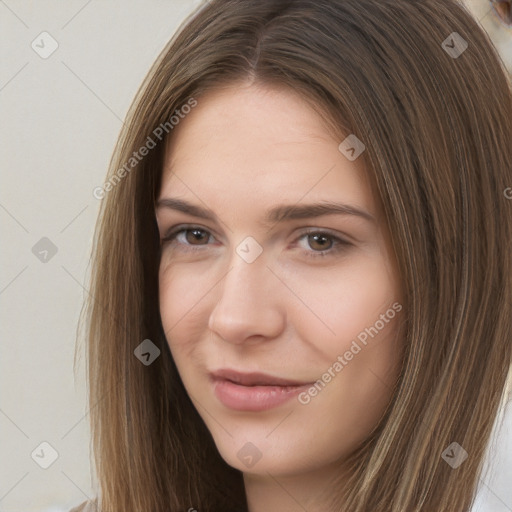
(245,278)
(245,303)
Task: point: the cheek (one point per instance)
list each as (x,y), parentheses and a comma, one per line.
(356,385)
(365,386)
(342,305)
(180,295)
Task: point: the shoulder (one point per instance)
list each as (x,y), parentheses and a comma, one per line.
(86,506)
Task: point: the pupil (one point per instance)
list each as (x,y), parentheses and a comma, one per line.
(322,239)
(196,234)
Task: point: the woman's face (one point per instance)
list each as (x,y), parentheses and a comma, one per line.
(262,282)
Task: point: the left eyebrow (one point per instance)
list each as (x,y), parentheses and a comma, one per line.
(277,214)
(284,212)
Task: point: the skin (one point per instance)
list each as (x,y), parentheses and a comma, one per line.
(241,151)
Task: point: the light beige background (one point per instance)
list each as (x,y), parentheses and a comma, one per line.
(60,119)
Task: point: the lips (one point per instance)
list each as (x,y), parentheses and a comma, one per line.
(254,379)
(253,392)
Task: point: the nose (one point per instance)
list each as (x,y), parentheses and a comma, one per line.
(249,303)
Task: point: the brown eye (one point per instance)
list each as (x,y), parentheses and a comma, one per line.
(190,238)
(321,244)
(320,241)
(195,236)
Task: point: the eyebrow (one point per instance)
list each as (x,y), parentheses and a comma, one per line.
(280,213)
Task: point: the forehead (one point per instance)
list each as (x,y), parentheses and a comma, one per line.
(261,146)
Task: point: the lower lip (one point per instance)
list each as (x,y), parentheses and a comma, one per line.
(254,398)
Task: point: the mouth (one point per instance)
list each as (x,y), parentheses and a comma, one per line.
(253,391)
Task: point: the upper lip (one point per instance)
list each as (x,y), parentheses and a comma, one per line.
(253,378)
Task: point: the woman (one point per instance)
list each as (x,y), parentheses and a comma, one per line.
(300,296)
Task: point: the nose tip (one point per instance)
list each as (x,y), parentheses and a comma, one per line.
(246,305)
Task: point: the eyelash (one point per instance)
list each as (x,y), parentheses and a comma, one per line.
(338,247)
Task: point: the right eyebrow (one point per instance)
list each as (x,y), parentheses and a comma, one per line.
(280,213)
(186,207)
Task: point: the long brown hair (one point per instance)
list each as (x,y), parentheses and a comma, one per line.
(418,82)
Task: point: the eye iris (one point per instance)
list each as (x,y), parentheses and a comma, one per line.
(322,238)
(197,234)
